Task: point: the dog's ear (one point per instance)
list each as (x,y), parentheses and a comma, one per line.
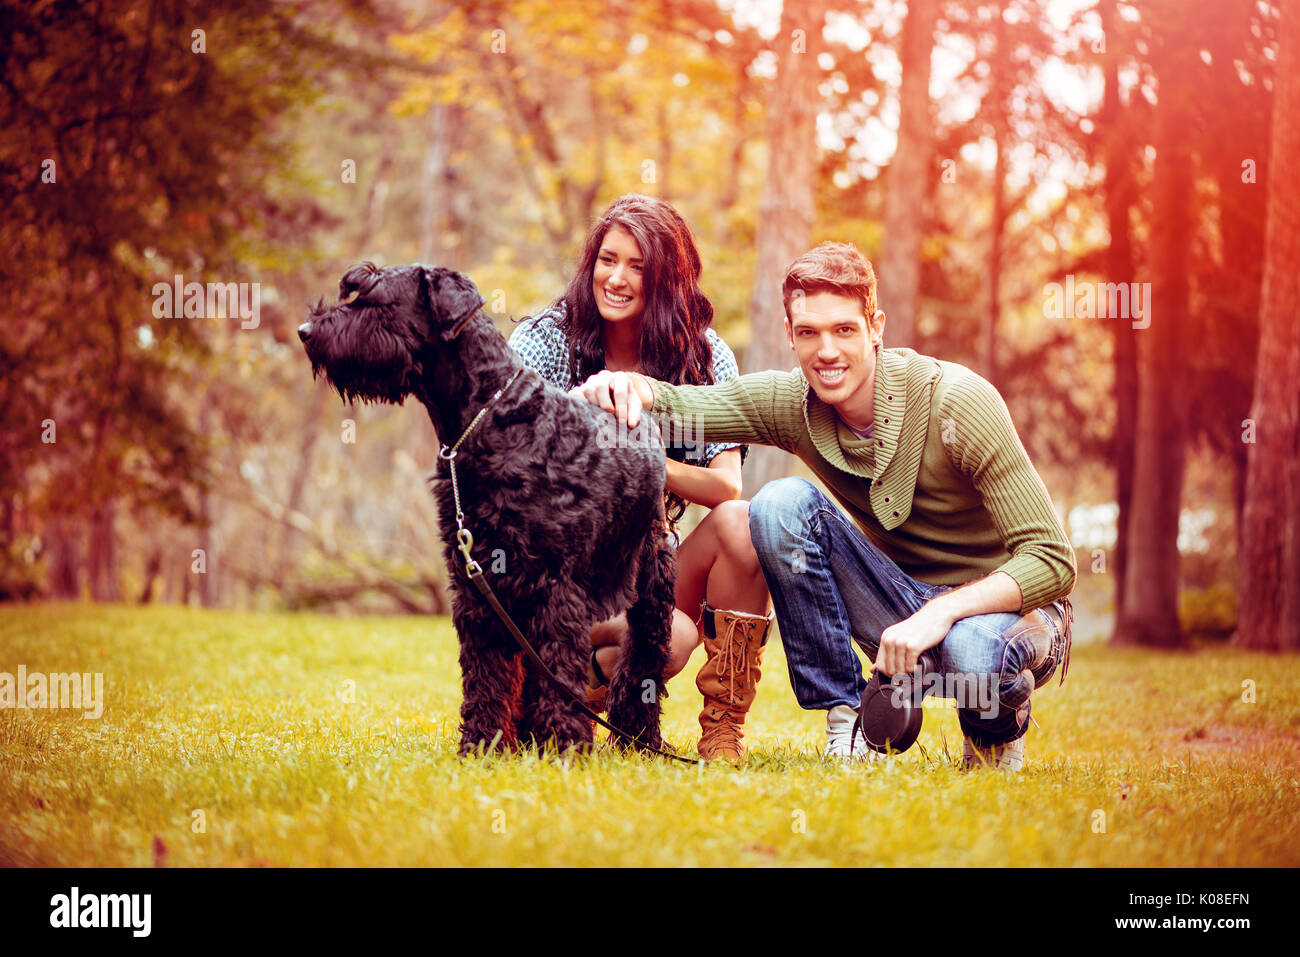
(453,299)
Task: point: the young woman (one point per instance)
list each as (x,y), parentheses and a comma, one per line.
(635,305)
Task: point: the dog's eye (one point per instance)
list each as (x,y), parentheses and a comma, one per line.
(350,297)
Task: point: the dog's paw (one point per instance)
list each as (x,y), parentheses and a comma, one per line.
(477,746)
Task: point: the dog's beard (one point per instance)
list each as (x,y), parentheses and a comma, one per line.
(371,383)
(377,370)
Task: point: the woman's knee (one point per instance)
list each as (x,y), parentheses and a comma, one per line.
(611,632)
(734,542)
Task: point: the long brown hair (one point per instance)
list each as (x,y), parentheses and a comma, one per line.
(673,345)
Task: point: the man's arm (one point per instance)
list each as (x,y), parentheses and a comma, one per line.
(981,442)
(901,644)
(757,408)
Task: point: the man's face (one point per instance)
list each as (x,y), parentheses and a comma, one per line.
(835,344)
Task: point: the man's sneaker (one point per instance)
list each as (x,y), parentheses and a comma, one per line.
(1004,757)
(840,740)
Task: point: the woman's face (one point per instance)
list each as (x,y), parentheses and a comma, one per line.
(616,279)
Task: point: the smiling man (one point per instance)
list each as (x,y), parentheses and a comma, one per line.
(951,541)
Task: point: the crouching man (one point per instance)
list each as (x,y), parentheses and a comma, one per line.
(953,542)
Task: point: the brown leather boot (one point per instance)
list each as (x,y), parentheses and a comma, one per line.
(733,644)
(597,690)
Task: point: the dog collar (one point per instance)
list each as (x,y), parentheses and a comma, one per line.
(449,455)
(464,320)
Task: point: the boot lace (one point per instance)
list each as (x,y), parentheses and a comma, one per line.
(734,650)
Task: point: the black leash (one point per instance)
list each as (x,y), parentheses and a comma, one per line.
(465,542)
(476,576)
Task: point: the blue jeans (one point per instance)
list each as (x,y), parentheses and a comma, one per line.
(830,586)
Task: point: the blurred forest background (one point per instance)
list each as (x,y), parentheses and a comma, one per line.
(977,151)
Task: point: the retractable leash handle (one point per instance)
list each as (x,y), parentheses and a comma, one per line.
(890,721)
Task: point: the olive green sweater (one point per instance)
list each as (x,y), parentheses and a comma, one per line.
(944,486)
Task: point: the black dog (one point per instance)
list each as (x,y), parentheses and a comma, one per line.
(580,522)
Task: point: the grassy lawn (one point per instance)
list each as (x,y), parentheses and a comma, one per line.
(229,739)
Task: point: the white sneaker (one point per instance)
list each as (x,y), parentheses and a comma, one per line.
(840,741)
(1004,757)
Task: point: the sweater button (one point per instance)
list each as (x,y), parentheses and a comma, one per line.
(881,443)
(895,514)
(886,421)
(886,499)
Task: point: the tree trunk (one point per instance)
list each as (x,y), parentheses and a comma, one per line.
(205,581)
(1117,153)
(663,127)
(785,215)
(432,172)
(1150,612)
(63,541)
(152,569)
(286,556)
(1001,67)
(1269,563)
(1233,326)
(900,260)
(103,556)
(372,217)
(731,182)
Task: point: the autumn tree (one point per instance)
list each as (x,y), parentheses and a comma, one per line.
(135,145)
(786,210)
(1269,586)
(1116,135)
(1150,612)
(907,178)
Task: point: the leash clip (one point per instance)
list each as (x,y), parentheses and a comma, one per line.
(466,541)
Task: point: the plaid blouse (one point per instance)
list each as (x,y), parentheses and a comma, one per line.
(544,349)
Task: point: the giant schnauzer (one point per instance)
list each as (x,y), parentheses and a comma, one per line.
(579,518)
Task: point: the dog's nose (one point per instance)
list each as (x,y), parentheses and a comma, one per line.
(304,331)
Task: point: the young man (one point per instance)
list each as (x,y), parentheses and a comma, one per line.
(953,541)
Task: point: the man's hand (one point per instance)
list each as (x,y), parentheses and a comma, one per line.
(625,394)
(901,644)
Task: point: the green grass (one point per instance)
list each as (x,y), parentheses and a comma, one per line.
(241,716)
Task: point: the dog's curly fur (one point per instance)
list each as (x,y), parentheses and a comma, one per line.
(580,518)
